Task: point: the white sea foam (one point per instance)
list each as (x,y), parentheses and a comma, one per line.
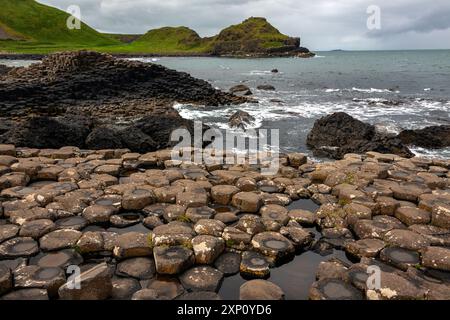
(373,90)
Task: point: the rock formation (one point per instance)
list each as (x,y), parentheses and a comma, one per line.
(338,134)
(88,99)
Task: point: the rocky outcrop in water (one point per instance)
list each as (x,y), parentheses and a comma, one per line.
(240,119)
(77,97)
(4,69)
(338,134)
(434,137)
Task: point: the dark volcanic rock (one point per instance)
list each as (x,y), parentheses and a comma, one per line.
(4,69)
(240,119)
(338,134)
(434,137)
(125,104)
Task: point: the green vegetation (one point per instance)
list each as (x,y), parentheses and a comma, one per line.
(27,26)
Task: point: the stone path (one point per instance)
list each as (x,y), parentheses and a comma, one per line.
(163,229)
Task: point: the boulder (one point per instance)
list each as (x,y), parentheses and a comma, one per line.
(240,119)
(433,137)
(338,134)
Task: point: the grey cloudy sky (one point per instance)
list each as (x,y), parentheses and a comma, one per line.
(322,24)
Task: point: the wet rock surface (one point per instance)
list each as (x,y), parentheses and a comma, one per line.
(183,230)
(103,88)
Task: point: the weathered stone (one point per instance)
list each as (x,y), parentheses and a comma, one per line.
(223,194)
(73,223)
(406,239)
(437,236)
(228,263)
(26,295)
(199,213)
(98,213)
(386,206)
(139,268)
(436,258)
(8,231)
(58,259)
(124,288)
(273,245)
(246,184)
(90,242)
(250,224)
(6,280)
(247,202)
(202,278)
(7,150)
(95,284)
(355,212)
(365,247)
(210,227)
(400,258)
(333,289)
(137,199)
(152,222)
(23,215)
(441,216)
(37,228)
(59,239)
(412,215)
(303,217)
(172,234)
(166,288)
(409,191)
(18,247)
(330,270)
(396,287)
(254,265)
(300,237)
(260,290)
(297,159)
(173,260)
(132,244)
(276,213)
(207,248)
(192,199)
(236,239)
(145,294)
(374,228)
(37,277)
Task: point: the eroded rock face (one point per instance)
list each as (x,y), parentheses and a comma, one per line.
(434,137)
(93,83)
(338,134)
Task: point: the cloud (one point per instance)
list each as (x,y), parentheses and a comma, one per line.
(322,24)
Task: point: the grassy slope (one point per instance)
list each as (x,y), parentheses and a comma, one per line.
(44,28)
(253,29)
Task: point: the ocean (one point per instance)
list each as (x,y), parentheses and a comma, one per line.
(393,90)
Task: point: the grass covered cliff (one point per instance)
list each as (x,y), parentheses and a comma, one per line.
(27,26)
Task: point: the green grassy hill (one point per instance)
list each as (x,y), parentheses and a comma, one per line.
(27,26)
(35,26)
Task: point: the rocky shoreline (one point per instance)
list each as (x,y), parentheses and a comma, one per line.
(95,101)
(145,227)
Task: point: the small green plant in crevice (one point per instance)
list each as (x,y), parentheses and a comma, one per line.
(344,202)
(230,243)
(350,178)
(188,245)
(184,218)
